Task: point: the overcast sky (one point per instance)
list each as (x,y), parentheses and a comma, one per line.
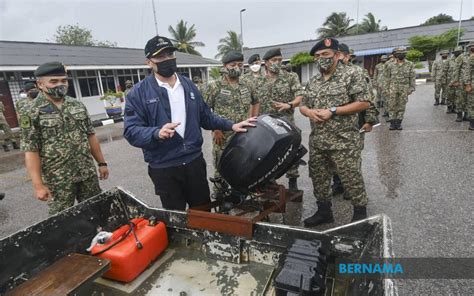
(130,22)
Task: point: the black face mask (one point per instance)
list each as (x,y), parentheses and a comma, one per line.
(166,68)
(33,93)
(400,56)
(457,53)
(444,57)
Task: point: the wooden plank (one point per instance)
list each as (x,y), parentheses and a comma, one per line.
(64,276)
(233,225)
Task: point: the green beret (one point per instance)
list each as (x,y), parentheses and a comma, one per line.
(328,43)
(253,58)
(51,69)
(232,56)
(29,85)
(274,52)
(344,48)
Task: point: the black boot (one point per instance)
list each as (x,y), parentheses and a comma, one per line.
(385,114)
(393,125)
(15,145)
(443,101)
(346,196)
(322,215)
(465,117)
(360,212)
(459,117)
(436,103)
(399,125)
(5,148)
(293,184)
(336,186)
(471,124)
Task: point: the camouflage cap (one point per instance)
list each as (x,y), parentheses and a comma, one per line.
(401,49)
(443,52)
(344,48)
(197,79)
(253,58)
(328,43)
(274,52)
(128,82)
(232,56)
(384,57)
(51,69)
(458,49)
(29,86)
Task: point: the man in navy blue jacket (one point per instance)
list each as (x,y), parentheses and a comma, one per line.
(164,114)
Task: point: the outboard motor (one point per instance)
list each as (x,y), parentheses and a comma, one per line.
(263,153)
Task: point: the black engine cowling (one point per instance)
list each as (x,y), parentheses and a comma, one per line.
(262,153)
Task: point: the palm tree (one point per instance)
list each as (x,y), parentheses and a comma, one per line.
(336,25)
(183,36)
(231,42)
(369,24)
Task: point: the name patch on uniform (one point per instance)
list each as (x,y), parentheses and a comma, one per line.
(191,94)
(244,91)
(25,121)
(151,101)
(225,92)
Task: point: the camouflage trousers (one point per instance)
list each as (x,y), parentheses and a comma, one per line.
(440,91)
(65,193)
(347,164)
(381,94)
(217,153)
(460,100)
(8,136)
(397,104)
(470,105)
(450,95)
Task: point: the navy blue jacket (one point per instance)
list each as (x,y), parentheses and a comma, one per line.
(147,109)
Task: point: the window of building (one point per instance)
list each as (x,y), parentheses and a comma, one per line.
(88,83)
(124,75)
(108,82)
(184,71)
(70,90)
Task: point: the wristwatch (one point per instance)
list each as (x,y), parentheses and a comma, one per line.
(333,110)
(291,105)
(101,164)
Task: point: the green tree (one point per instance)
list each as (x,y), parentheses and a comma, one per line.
(336,25)
(182,37)
(230,42)
(215,73)
(414,55)
(301,58)
(369,24)
(76,35)
(438,19)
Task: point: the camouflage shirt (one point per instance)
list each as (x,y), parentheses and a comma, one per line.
(452,69)
(282,88)
(229,101)
(61,138)
(343,87)
(401,76)
(439,71)
(379,75)
(23,105)
(250,80)
(467,69)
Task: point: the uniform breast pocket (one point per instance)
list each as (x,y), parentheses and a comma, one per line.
(336,99)
(50,127)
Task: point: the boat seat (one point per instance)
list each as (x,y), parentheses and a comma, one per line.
(64,276)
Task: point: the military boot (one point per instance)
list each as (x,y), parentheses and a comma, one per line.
(465,117)
(346,196)
(385,114)
(293,184)
(459,117)
(322,215)
(15,145)
(399,125)
(471,124)
(5,148)
(360,212)
(393,125)
(443,101)
(436,103)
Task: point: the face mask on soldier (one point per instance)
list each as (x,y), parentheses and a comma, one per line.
(255,68)
(57,92)
(325,63)
(444,57)
(234,72)
(275,67)
(400,56)
(23,95)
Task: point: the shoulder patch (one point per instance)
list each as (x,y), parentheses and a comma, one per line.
(25,121)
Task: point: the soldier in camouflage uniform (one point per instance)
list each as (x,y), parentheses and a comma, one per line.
(8,135)
(379,82)
(128,87)
(23,105)
(58,139)
(439,73)
(255,73)
(453,85)
(199,84)
(401,83)
(229,98)
(279,92)
(460,100)
(451,66)
(468,81)
(332,102)
(391,60)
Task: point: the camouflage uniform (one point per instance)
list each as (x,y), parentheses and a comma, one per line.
(336,142)
(60,136)
(461,96)
(451,91)
(468,79)
(22,106)
(386,90)
(284,88)
(228,101)
(439,73)
(250,80)
(8,135)
(379,83)
(401,82)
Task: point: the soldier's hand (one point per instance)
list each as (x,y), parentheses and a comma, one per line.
(324,114)
(281,106)
(367,128)
(468,88)
(42,192)
(314,116)
(168,130)
(455,84)
(103,173)
(218,137)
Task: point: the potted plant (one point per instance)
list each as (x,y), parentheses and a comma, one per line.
(113,100)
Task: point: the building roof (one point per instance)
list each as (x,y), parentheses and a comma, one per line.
(371,43)
(17,55)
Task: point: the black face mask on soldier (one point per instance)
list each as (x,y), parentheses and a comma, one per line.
(444,57)
(400,56)
(57,92)
(166,68)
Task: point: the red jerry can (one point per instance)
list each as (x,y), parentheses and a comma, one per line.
(127,259)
